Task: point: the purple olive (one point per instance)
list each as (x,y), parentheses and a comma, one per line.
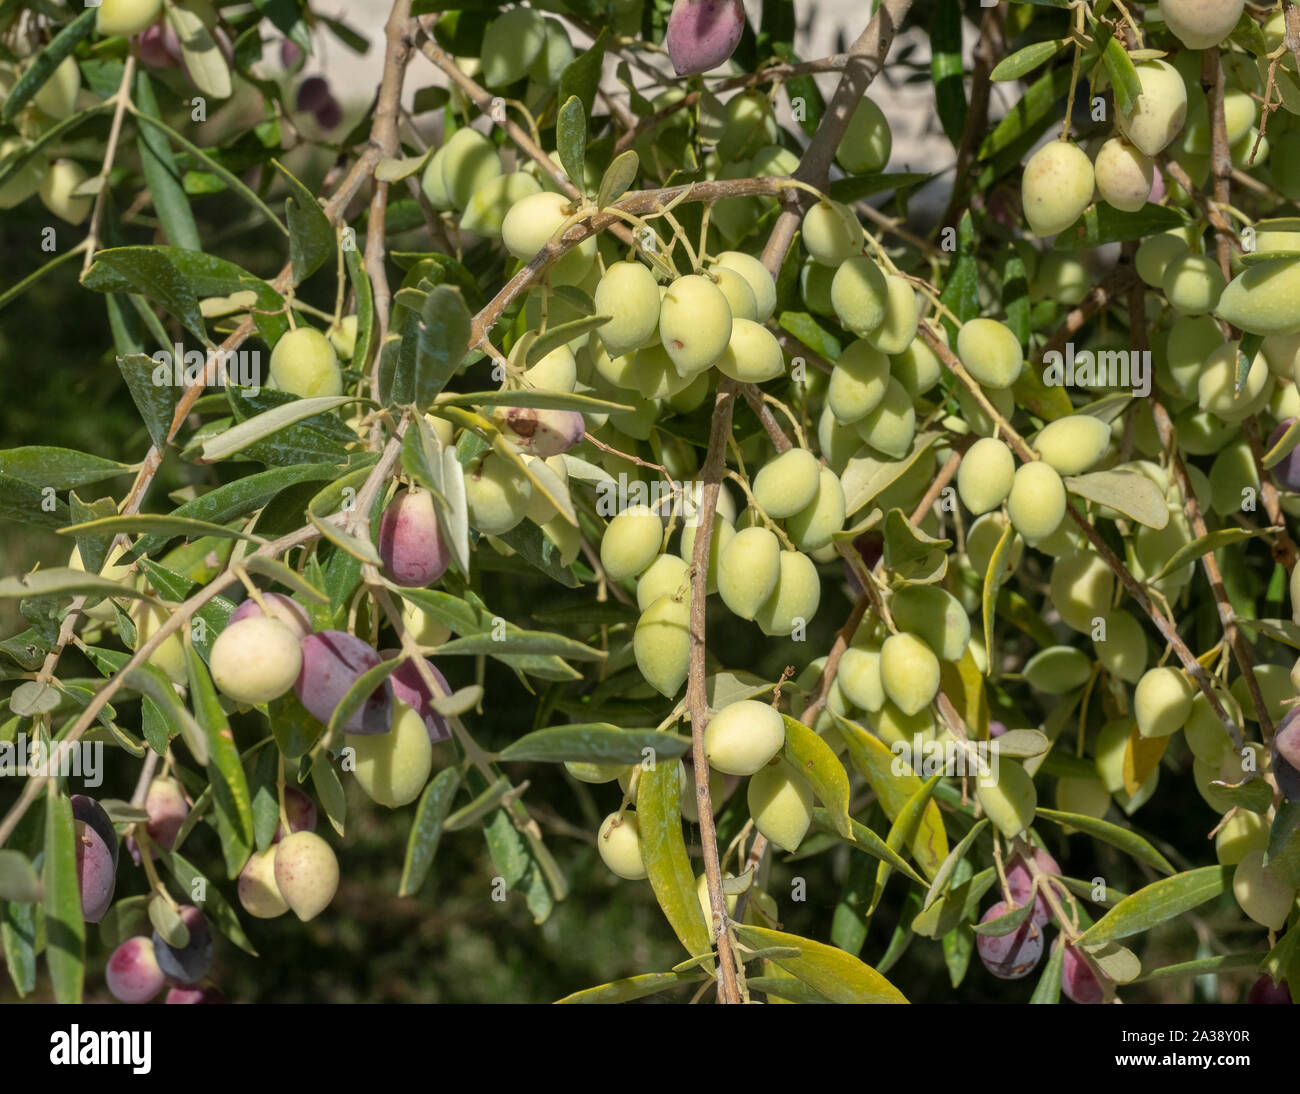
(1020,883)
(195,995)
(96,850)
(290,53)
(133,975)
(165,803)
(332,661)
(1078,981)
(1264,990)
(410,543)
(703,33)
(158,47)
(313,93)
(329,115)
(287,610)
(1010,956)
(301,810)
(410,688)
(996,729)
(187,964)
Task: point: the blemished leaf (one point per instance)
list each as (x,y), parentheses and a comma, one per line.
(426,829)
(633,987)
(18,880)
(832,973)
(571,138)
(65,930)
(895,786)
(816,761)
(1126,492)
(1025,60)
(663,849)
(594,743)
(1160,901)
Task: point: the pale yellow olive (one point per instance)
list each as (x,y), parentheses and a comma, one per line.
(393,767)
(909,672)
(985,475)
(781,805)
(1057,187)
(1036,503)
(1008,797)
(619,844)
(304,363)
(1157,116)
(1162,702)
(255,660)
(661,644)
(743,737)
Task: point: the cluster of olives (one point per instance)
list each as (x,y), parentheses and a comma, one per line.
(744,739)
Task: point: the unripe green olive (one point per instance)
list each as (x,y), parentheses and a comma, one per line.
(126,17)
(1057,187)
(1109,751)
(985,475)
(1201,24)
(255,660)
(661,644)
(257,890)
(1193,284)
(740,297)
(1124,175)
(867,140)
(1232,476)
(393,767)
(592,772)
(934,615)
(530,223)
(1234,768)
(1162,702)
(1123,652)
(794,600)
(723,532)
(815,282)
(918,367)
(1083,795)
(788,483)
(56,190)
(58,95)
(304,363)
(1008,796)
(1157,116)
(743,737)
(628,294)
(860,294)
(752,354)
(1275,689)
(497,494)
(748,569)
(837,443)
(512,43)
(1074,444)
(557,371)
(469,163)
(170,655)
(1216,389)
(909,672)
(1154,255)
(631,542)
(858,677)
(306,873)
(991,353)
(665,576)
(1036,504)
(1060,276)
(695,323)
(897,330)
(982,540)
(756,276)
(781,805)
(26,181)
(890,426)
(812,528)
(1205,732)
(858,382)
(423,628)
(1261,893)
(1082,588)
(343,337)
(1264,299)
(832,233)
(702,891)
(1243,833)
(1057,670)
(619,843)
(432,184)
(489,203)
(892,726)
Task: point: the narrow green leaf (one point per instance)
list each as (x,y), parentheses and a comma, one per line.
(831,972)
(426,829)
(1160,901)
(594,743)
(571,138)
(816,761)
(633,987)
(65,930)
(663,849)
